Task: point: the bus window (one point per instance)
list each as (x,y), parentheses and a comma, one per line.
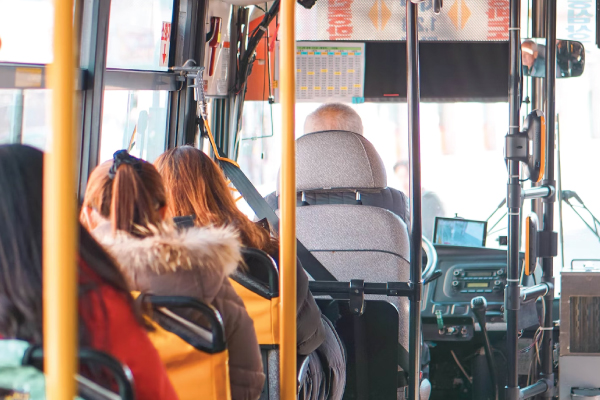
(135,32)
(36,118)
(26,31)
(25,117)
(126,111)
(577,102)
(10,116)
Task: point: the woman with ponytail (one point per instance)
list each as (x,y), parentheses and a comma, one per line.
(124,207)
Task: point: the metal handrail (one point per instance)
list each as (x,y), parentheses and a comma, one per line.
(287,227)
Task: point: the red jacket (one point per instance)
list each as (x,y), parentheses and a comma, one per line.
(114,329)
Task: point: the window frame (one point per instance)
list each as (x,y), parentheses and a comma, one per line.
(92,20)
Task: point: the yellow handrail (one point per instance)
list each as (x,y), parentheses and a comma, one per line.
(287,251)
(60,216)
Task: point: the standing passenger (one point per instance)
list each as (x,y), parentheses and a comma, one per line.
(197,187)
(124,206)
(108,320)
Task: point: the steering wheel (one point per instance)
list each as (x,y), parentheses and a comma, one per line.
(429,271)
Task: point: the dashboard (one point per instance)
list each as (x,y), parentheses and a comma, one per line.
(467,272)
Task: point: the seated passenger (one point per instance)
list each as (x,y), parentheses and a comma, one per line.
(340,117)
(124,207)
(108,320)
(197,187)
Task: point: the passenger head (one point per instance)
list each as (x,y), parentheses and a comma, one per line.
(21,171)
(333,117)
(127,191)
(196,186)
(529,52)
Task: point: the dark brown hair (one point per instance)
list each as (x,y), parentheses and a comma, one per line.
(21,171)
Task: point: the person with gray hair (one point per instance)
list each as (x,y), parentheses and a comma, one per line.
(333,117)
(341,117)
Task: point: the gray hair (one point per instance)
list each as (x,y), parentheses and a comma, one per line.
(333,117)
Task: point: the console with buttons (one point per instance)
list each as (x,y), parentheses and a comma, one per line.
(465,282)
(467,272)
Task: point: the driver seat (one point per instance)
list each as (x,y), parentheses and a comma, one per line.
(352,241)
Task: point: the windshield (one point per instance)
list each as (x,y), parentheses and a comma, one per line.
(461,151)
(463,168)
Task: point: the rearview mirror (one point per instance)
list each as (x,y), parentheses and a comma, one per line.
(570,58)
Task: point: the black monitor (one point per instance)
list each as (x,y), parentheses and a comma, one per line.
(459,232)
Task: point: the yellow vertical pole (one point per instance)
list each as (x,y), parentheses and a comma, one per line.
(287,255)
(60,226)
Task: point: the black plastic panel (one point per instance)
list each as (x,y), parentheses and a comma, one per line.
(449,72)
(371,343)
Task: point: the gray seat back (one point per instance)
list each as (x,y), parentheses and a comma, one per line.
(351,241)
(359,242)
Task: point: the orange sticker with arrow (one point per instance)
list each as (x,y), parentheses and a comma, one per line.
(165,44)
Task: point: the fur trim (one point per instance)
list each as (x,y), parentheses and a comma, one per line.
(171,250)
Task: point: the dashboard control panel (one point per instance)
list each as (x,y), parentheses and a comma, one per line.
(466,283)
(467,272)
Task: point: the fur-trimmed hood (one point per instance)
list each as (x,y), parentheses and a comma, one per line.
(193,259)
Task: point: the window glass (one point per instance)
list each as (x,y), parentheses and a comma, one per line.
(25,117)
(134,35)
(26,31)
(10,116)
(577,104)
(144,112)
(37,118)
(462,155)
(461,149)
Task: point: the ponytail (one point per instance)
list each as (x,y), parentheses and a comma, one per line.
(129,193)
(132,206)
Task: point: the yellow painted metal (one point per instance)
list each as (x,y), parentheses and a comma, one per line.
(60,217)
(287,255)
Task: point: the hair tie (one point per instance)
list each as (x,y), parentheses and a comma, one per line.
(123,157)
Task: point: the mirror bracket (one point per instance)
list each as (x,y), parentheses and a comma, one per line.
(547,244)
(517,147)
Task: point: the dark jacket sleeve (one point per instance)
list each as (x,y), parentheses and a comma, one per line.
(310,329)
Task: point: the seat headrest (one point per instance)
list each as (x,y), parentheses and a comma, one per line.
(337,160)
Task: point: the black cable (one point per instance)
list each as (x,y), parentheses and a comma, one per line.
(479,306)
(501,353)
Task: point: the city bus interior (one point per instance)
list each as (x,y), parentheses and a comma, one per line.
(490,289)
